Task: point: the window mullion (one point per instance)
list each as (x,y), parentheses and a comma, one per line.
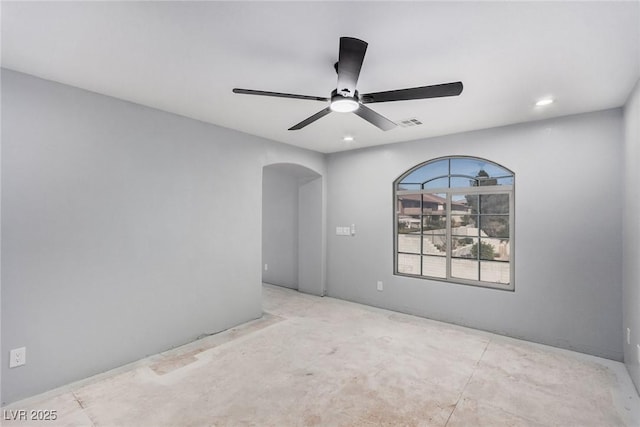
(448,237)
(479,222)
(421,232)
(511,238)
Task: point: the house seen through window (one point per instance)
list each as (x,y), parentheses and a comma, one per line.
(454,222)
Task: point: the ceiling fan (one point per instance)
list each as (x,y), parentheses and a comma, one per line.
(346,99)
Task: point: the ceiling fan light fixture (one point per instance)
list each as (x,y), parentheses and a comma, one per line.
(341,104)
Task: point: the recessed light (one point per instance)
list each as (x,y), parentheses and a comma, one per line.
(543,102)
(347,138)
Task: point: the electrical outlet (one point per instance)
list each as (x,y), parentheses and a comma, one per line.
(17,357)
(266,267)
(380,287)
(628,336)
(638,353)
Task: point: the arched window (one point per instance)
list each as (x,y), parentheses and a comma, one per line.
(454,222)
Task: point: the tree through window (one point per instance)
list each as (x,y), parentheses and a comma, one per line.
(454,222)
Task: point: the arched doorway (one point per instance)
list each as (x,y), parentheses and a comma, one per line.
(292,249)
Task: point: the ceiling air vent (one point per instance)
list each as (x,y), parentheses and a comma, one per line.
(409,122)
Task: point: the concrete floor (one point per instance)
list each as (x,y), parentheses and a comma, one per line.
(321,361)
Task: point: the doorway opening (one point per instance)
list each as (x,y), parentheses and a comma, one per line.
(292,231)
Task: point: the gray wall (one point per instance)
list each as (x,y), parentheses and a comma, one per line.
(311,238)
(631,270)
(568,258)
(125,230)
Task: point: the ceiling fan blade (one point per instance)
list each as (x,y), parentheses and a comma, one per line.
(350,61)
(423,92)
(278,94)
(311,119)
(374,118)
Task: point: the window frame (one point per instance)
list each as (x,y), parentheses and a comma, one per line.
(449,192)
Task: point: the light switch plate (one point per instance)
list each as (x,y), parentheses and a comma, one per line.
(343,231)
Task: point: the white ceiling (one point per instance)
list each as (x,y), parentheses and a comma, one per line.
(185,57)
